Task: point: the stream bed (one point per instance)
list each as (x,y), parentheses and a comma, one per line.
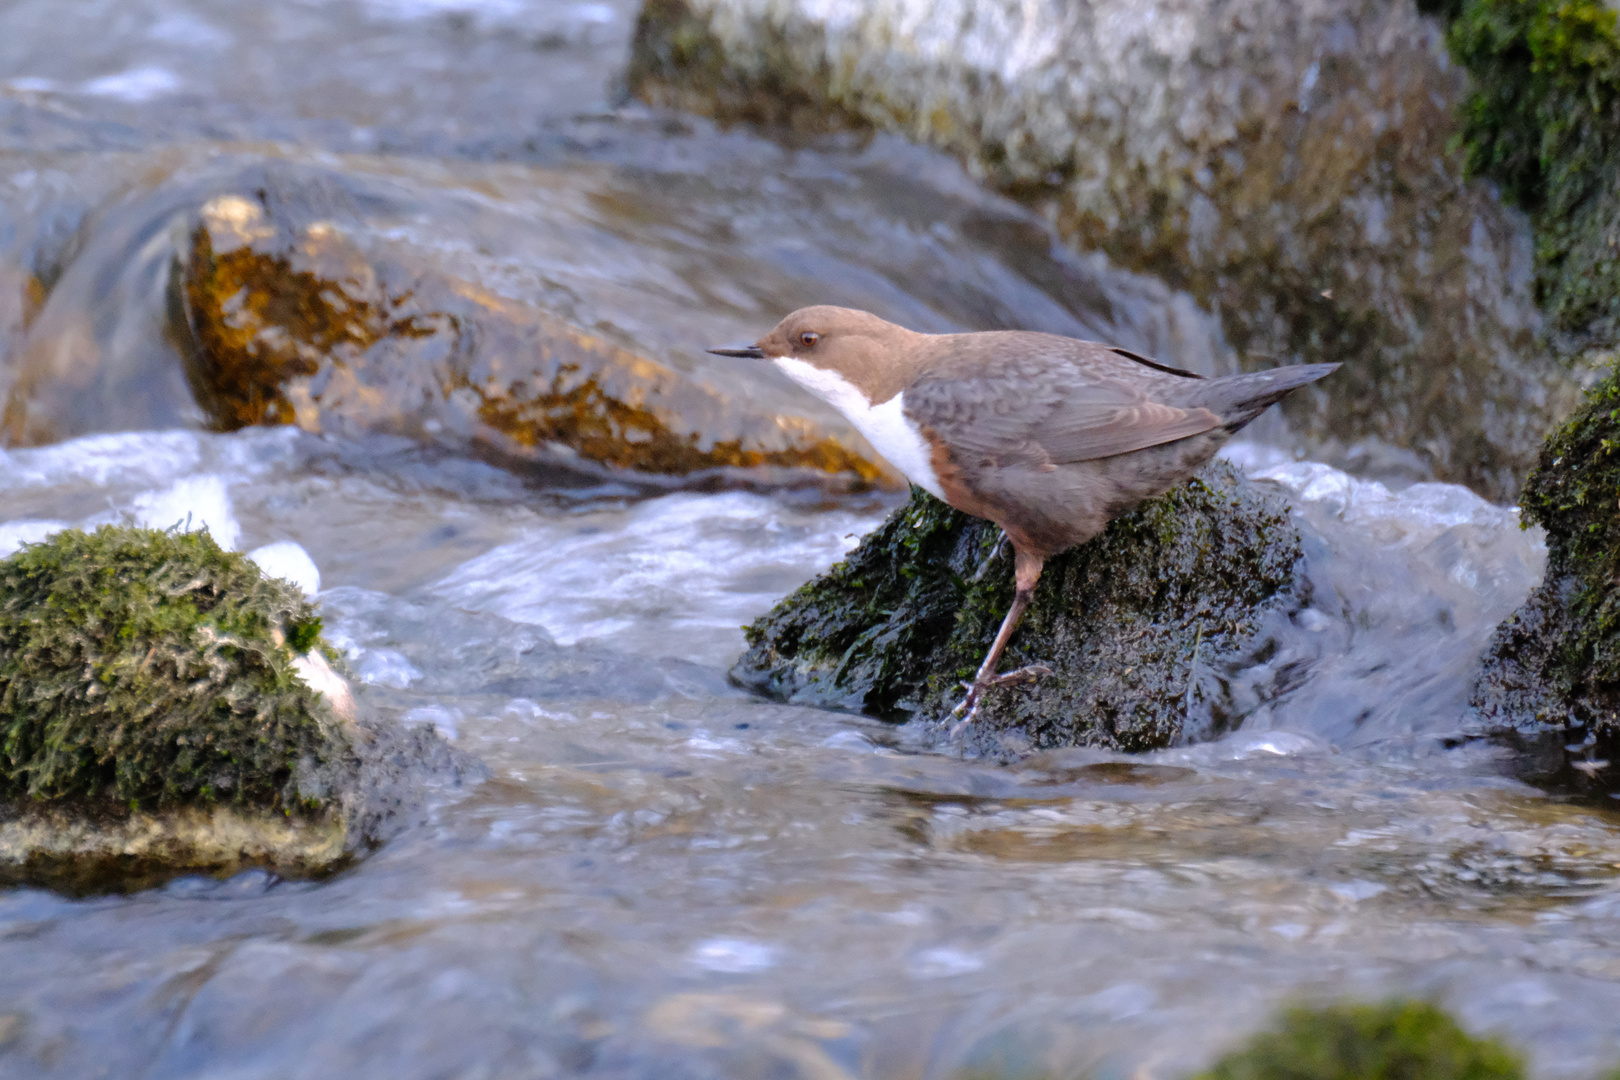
(663,876)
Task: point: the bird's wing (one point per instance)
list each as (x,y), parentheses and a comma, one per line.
(1052,406)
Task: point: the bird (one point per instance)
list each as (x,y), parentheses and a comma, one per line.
(1049,437)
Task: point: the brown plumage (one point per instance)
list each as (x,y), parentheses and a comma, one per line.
(1049,437)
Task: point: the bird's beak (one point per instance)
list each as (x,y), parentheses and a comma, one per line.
(747,352)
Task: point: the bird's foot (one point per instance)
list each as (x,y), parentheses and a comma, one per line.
(969,706)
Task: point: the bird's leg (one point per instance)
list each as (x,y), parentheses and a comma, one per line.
(1026,572)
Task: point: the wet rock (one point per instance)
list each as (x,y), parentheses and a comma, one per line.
(21,296)
(1138,625)
(166,708)
(1291,169)
(1354,1042)
(286,295)
(1555,665)
(293,322)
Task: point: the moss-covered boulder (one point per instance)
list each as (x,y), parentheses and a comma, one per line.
(1137,625)
(1542,120)
(1291,167)
(1555,664)
(157,715)
(1397,1040)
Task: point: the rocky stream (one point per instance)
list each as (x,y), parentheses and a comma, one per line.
(410,298)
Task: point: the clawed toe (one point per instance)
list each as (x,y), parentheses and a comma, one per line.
(970,703)
(1025,674)
(969,706)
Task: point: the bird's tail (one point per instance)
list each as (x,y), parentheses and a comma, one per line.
(1237,399)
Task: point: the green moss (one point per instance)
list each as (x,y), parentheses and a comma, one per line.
(1574,493)
(143,667)
(1393,1041)
(1130,622)
(1543,121)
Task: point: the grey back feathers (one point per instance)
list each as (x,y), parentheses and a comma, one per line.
(1038,399)
(1240,398)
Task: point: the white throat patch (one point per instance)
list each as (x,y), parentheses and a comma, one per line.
(885,426)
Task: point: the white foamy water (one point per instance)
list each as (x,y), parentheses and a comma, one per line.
(103,461)
(192,504)
(14,534)
(674,576)
(135,85)
(1413,513)
(165,480)
(1405,587)
(288,559)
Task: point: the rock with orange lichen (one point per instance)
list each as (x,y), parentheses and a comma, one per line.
(299,322)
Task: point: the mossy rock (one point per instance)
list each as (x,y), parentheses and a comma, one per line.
(154,669)
(157,716)
(1137,625)
(1556,663)
(1543,121)
(1397,1040)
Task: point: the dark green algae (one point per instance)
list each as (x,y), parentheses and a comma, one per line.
(146,670)
(1556,663)
(1395,1040)
(1542,121)
(1137,625)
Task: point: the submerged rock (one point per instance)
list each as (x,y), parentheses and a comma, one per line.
(1361,1042)
(166,708)
(1289,167)
(1137,625)
(1555,665)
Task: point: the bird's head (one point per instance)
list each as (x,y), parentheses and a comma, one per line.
(857,346)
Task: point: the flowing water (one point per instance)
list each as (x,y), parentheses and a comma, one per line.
(664,877)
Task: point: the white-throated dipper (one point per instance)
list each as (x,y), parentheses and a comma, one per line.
(1049,437)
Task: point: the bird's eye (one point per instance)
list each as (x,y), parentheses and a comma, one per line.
(809,338)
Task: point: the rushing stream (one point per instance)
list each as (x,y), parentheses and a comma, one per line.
(664,877)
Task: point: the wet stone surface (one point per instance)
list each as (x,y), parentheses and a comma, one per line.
(1139,626)
(291,321)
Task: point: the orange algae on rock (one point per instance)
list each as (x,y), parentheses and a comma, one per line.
(301,326)
(261,322)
